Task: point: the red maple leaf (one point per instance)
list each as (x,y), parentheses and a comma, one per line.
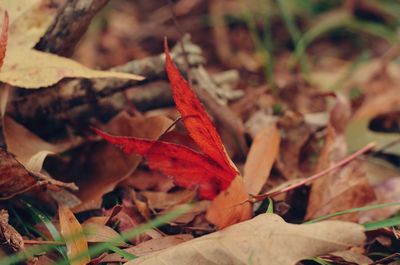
(211,170)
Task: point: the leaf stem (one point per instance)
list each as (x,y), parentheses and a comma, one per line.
(256,198)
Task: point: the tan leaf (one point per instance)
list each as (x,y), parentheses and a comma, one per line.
(29,20)
(266,240)
(196,209)
(34,69)
(98,233)
(72,231)
(230,206)
(262,154)
(150,246)
(163,200)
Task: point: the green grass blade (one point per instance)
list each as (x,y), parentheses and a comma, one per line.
(294,33)
(99,248)
(354,210)
(102,247)
(39,216)
(319,261)
(394,221)
(122,252)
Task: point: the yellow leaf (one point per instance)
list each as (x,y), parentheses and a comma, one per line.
(34,69)
(76,241)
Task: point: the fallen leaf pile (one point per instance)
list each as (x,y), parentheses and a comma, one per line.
(270,162)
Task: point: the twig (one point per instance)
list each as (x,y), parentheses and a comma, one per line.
(41,242)
(69,26)
(67,102)
(256,198)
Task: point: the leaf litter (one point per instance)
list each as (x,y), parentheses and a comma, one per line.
(297,126)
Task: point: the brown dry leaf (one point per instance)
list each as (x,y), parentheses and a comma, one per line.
(21,69)
(262,154)
(296,134)
(9,237)
(266,239)
(108,165)
(343,189)
(196,209)
(386,191)
(163,200)
(231,206)
(149,180)
(14,178)
(150,246)
(98,233)
(29,149)
(350,256)
(72,231)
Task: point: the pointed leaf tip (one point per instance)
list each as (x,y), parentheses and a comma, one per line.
(195,117)
(128,144)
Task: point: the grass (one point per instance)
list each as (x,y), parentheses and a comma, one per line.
(318,20)
(394,221)
(101,247)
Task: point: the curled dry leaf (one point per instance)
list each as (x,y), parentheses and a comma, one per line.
(74,236)
(343,189)
(14,178)
(263,240)
(262,154)
(9,237)
(212,170)
(29,149)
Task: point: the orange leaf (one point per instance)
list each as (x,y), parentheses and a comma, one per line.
(194,116)
(188,167)
(261,157)
(72,231)
(3,38)
(231,206)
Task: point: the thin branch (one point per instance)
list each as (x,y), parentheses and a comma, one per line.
(69,26)
(256,198)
